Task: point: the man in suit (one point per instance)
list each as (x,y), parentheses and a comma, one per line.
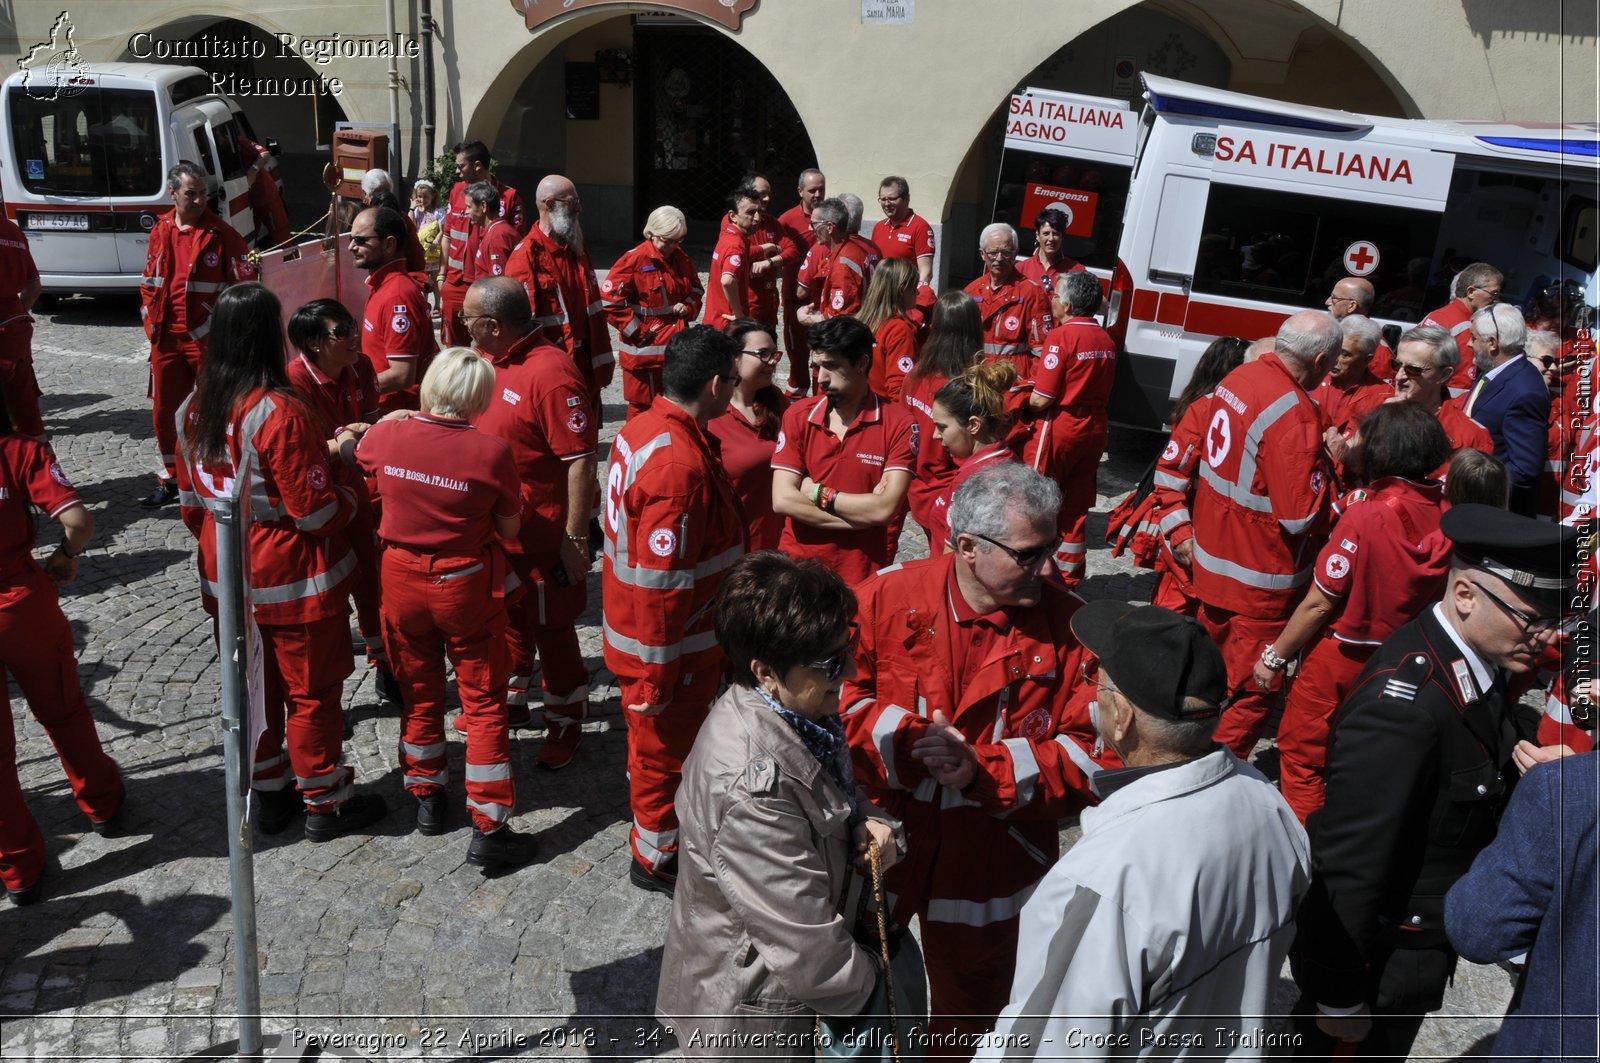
(1418,771)
(1510,400)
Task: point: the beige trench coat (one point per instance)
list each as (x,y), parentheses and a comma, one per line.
(756,945)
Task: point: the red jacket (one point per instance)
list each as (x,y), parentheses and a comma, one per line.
(1265,495)
(638,294)
(894,354)
(1174,485)
(494,246)
(1456,319)
(1037,755)
(731,256)
(220,259)
(461,236)
(566,302)
(1016,320)
(848,272)
(300,558)
(1462,431)
(673,529)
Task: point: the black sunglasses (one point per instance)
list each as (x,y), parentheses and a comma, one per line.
(832,666)
(340,331)
(1024,558)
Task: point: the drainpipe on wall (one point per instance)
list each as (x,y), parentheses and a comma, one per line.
(394,85)
(427,82)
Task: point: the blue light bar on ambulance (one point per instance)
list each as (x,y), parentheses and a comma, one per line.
(1560,147)
(1201,109)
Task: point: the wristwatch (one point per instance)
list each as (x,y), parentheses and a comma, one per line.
(1270,658)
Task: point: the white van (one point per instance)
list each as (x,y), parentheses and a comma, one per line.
(84,169)
(1075,154)
(1243,210)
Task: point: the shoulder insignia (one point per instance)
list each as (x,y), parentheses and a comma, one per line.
(1358,495)
(760,776)
(1408,677)
(1464,683)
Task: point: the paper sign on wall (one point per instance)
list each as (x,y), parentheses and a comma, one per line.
(887,12)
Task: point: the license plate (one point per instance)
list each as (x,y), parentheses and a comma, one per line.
(69,222)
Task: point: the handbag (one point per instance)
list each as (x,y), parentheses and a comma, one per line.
(897,1010)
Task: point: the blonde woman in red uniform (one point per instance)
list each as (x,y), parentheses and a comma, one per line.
(650,295)
(748,430)
(448,490)
(36,649)
(891,294)
(245,423)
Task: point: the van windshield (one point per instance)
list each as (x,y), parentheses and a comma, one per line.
(1091,194)
(99,142)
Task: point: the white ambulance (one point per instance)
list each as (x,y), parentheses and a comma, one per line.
(1243,210)
(86,155)
(1073,154)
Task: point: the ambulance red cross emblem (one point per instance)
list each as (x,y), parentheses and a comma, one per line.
(1361,258)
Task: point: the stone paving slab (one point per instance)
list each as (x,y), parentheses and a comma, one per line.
(387,944)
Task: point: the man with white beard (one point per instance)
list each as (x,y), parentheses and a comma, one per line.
(553,265)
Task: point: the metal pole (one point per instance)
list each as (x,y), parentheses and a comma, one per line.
(427,86)
(394,86)
(236,733)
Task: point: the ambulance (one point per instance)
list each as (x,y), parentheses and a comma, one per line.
(1073,154)
(1241,211)
(84,166)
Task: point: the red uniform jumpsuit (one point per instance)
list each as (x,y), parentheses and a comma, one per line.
(673,529)
(541,407)
(1076,373)
(184,272)
(1456,319)
(881,440)
(746,452)
(1346,407)
(798,240)
(460,248)
(495,244)
(300,568)
(1173,494)
(1462,431)
(1009,681)
(36,649)
(639,293)
(566,306)
(730,258)
(1261,510)
(352,398)
(444,595)
(1016,320)
(1384,563)
(894,354)
(928,493)
(397,326)
(761,302)
(19,389)
(847,274)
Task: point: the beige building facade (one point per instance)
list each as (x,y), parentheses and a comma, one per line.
(671,102)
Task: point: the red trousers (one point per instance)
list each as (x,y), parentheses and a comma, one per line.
(543,622)
(366,588)
(640,387)
(1328,673)
(1174,590)
(19,388)
(452,330)
(436,606)
(305,666)
(174,365)
(36,648)
(657,748)
(1241,638)
(1067,448)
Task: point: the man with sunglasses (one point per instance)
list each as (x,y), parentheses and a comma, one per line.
(1419,768)
(673,530)
(1425,358)
(969,721)
(1476,287)
(397,325)
(1510,400)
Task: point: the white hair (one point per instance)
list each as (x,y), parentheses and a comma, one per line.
(375,181)
(998,228)
(1544,341)
(854,210)
(666,222)
(1504,322)
(983,504)
(1363,330)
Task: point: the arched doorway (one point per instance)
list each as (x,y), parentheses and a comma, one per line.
(644,110)
(302,122)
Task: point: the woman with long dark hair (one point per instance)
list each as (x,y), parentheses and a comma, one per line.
(246,433)
(36,650)
(748,430)
(954,342)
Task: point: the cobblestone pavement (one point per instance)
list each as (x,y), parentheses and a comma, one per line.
(390,940)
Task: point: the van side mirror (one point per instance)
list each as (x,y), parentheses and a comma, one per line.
(274,148)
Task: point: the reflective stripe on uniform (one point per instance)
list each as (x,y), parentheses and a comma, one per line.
(1176,483)
(488,772)
(671,578)
(705,640)
(1079,756)
(1024,767)
(1249,576)
(1176,519)
(293,592)
(883,729)
(654,846)
(489,810)
(978,913)
(432,749)
(1004,348)
(312,521)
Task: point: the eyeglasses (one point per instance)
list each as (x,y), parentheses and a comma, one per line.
(468,319)
(1531,625)
(766,354)
(1412,369)
(1003,252)
(340,332)
(1493,294)
(832,666)
(362,241)
(1024,558)
(1089,672)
